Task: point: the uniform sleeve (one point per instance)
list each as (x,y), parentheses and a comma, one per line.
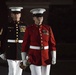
(52,42)
(26,41)
(3,40)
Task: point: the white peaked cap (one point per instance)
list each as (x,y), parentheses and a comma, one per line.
(38,11)
(15,8)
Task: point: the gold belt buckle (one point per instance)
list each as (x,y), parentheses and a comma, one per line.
(41,47)
(16,40)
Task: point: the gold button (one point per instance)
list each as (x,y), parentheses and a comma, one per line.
(41,41)
(16,32)
(16,40)
(40,34)
(41,38)
(41,47)
(40,31)
(16,29)
(16,35)
(16,24)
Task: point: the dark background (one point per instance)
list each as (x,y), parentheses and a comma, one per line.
(61,16)
(63,21)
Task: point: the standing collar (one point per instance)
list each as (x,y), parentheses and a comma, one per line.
(38,25)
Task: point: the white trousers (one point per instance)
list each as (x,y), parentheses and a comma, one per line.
(13,67)
(40,70)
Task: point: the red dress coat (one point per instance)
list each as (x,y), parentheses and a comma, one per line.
(39,36)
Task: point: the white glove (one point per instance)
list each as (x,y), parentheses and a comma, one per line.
(53,61)
(23,55)
(3,56)
(24,62)
(53,53)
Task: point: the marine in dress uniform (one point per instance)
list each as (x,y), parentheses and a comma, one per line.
(39,44)
(15,33)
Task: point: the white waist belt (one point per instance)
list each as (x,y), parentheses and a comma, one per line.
(38,47)
(14,41)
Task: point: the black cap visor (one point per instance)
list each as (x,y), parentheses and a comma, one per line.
(16,12)
(37,15)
